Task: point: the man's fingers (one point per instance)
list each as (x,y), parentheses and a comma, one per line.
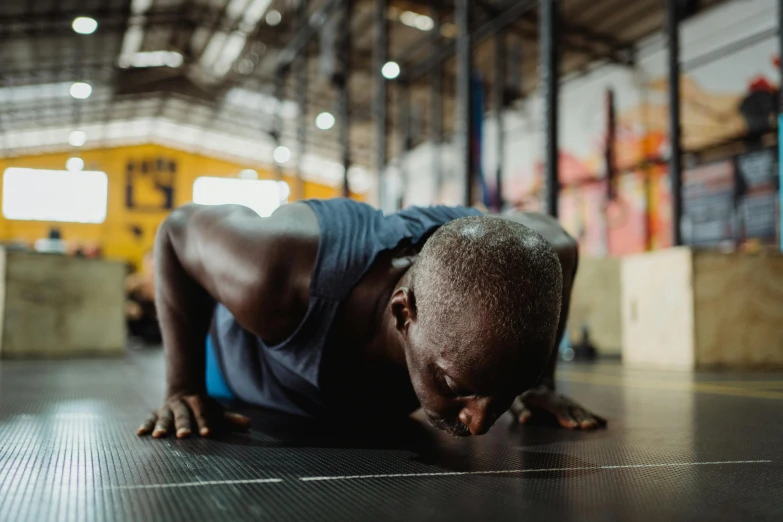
(148,425)
(164,423)
(565,419)
(584,419)
(237,421)
(181,418)
(201,414)
(517,408)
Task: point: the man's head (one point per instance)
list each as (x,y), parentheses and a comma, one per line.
(478,319)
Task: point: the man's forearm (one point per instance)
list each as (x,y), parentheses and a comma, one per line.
(184,311)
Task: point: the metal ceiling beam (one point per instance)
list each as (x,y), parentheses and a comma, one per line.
(446,51)
(580,39)
(304,34)
(623,18)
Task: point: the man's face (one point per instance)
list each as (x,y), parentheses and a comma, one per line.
(461,394)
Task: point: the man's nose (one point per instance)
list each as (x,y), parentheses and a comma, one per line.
(478,416)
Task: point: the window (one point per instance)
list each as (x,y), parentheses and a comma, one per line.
(55,195)
(263,196)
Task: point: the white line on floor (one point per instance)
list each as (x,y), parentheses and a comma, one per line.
(513,471)
(434,474)
(195,484)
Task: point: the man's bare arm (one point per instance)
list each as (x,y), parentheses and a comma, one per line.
(225,254)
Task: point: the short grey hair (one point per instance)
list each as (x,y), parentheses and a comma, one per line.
(499,270)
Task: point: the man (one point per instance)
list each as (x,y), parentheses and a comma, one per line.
(330,308)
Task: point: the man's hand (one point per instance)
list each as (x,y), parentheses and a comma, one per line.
(542,401)
(179,413)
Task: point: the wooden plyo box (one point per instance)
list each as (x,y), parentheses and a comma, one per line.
(56,306)
(684,309)
(595,304)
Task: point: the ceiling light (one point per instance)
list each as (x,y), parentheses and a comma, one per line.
(151,59)
(273,18)
(391,70)
(324,121)
(173,59)
(77,138)
(408,18)
(417,21)
(248,174)
(84,25)
(74,164)
(80,90)
(424,23)
(282,154)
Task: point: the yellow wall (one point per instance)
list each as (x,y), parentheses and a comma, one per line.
(115,235)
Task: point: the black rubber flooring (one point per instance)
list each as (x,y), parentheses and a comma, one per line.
(677,448)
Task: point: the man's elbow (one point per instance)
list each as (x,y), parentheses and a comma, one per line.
(172,229)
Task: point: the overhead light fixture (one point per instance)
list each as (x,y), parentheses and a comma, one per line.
(248,174)
(151,59)
(282,154)
(77,138)
(417,21)
(84,25)
(273,18)
(324,121)
(391,70)
(424,23)
(74,164)
(80,90)
(173,59)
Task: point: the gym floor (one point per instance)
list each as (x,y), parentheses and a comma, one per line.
(677,447)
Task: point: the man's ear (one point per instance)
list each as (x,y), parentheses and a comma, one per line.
(403,307)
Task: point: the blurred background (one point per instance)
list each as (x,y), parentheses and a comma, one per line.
(641,125)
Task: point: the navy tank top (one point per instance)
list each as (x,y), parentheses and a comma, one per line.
(286,377)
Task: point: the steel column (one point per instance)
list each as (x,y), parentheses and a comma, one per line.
(780,117)
(675,138)
(380,103)
(464,114)
(610,145)
(499,94)
(406,141)
(277,127)
(304,34)
(343,96)
(549,68)
(301,100)
(436,105)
